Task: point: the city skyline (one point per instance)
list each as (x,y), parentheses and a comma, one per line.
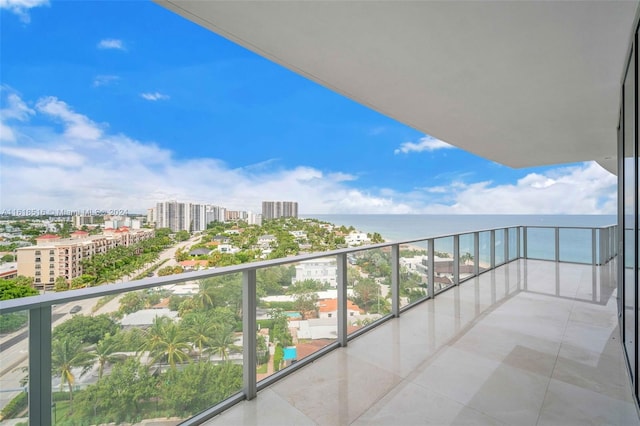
(129,114)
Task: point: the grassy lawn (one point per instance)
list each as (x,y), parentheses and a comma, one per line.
(262,369)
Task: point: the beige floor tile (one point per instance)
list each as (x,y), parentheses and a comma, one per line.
(510,347)
(266,410)
(336,389)
(410,404)
(566,404)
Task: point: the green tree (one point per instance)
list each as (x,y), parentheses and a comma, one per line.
(199,328)
(167,342)
(366,294)
(222,343)
(119,396)
(375,238)
(103,353)
(61,284)
(68,353)
(14,288)
(12,321)
(466,258)
(84,280)
(85,328)
(131,302)
(307,286)
(278,357)
(199,386)
(307,305)
(182,235)
(279,332)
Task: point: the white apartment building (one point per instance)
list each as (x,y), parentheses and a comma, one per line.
(191,217)
(276,209)
(356,239)
(324,270)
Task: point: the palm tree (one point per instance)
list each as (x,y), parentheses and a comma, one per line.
(466,258)
(200,329)
(68,353)
(103,352)
(165,340)
(222,342)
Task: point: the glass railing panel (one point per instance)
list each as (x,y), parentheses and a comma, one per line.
(414,272)
(541,243)
(466,259)
(368,287)
(168,351)
(513,243)
(576,245)
(14,361)
(297,312)
(500,246)
(484,250)
(443,264)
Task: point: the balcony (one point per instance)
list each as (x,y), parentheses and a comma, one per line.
(531,342)
(522,331)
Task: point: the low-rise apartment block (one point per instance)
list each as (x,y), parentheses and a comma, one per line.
(54,257)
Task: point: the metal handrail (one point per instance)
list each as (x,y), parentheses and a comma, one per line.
(40,307)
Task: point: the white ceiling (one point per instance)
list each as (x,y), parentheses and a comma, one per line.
(521,83)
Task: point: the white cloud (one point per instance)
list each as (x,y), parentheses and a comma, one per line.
(77,126)
(21,7)
(81,165)
(426,143)
(586,188)
(104,80)
(111,43)
(16,110)
(155,96)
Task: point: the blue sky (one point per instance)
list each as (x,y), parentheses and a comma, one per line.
(109,104)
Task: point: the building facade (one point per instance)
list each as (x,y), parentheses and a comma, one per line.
(276,209)
(54,257)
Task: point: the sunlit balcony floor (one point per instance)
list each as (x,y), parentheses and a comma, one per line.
(531,343)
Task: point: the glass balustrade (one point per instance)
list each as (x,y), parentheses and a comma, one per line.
(177,347)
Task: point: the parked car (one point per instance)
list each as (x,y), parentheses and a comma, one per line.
(75,309)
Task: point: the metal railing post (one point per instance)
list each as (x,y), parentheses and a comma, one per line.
(40,366)
(557,241)
(342,299)
(395,280)
(456,259)
(524,242)
(492,245)
(506,245)
(476,253)
(431,265)
(249,328)
(594,245)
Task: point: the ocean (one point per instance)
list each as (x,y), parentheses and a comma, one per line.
(402,227)
(575,244)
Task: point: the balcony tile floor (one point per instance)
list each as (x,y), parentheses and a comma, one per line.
(530,343)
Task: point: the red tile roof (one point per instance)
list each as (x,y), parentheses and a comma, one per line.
(47,237)
(331,305)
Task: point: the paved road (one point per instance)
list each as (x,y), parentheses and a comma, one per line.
(23,335)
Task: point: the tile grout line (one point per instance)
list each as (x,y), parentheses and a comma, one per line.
(555,363)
